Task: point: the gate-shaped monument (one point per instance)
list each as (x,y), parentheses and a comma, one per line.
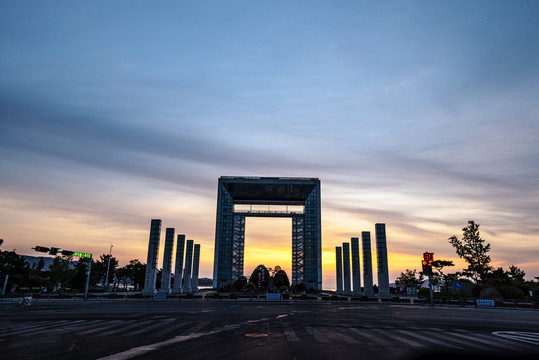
(306,224)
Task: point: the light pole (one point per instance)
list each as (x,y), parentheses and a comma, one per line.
(108,267)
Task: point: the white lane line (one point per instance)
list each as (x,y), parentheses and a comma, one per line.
(428,339)
(316,334)
(371,337)
(290,334)
(128,354)
(531,338)
(398,338)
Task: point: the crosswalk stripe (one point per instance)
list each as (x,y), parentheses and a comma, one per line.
(195,328)
(79,325)
(170,329)
(316,334)
(16,329)
(427,339)
(347,339)
(475,337)
(103,325)
(33,330)
(290,334)
(132,324)
(151,327)
(371,337)
(531,338)
(510,344)
(398,338)
(445,337)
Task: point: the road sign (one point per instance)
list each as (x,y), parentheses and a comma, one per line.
(458,285)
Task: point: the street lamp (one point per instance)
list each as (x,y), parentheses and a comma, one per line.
(108,267)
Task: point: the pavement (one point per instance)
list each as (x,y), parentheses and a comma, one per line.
(117,330)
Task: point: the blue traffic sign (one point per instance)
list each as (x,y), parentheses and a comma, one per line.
(458,285)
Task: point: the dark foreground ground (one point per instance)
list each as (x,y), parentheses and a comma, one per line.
(262,330)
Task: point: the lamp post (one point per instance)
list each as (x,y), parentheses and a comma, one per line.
(108,267)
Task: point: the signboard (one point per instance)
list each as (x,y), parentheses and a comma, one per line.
(458,285)
(273,296)
(160,296)
(484,302)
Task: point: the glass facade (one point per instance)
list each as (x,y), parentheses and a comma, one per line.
(356,266)
(381,257)
(153,254)
(178,269)
(167,260)
(368,289)
(338,262)
(188,266)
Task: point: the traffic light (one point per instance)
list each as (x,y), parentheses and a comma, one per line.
(53,251)
(428,258)
(42,249)
(67,252)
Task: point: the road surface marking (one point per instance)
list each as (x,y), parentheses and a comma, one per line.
(398,338)
(122,328)
(347,339)
(529,337)
(170,328)
(371,337)
(448,337)
(290,334)
(428,339)
(477,338)
(316,334)
(151,327)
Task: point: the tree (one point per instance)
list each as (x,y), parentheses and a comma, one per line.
(122,274)
(515,273)
(137,273)
(447,278)
(411,278)
(60,274)
(15,267)
(102,266)
(473,250)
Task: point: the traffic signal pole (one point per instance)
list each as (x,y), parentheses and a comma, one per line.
(89,268)
(430,289)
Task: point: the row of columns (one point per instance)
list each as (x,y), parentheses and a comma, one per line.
(187,272)
(342,255)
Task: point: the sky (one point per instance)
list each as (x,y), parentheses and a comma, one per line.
(418,114)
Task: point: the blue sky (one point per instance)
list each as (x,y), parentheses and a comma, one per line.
(419,114)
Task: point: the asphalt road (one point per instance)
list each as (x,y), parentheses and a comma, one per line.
(262,330)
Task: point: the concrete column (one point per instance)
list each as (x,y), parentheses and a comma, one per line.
(188,266)
(167,261)
(196,261)
(346,267)
(338,258)
(356,269)
(368,289)
(381,256)
(178,269)
(153,254)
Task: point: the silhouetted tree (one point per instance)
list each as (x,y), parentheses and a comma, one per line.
(15,267)
(137,273)
(472,249)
